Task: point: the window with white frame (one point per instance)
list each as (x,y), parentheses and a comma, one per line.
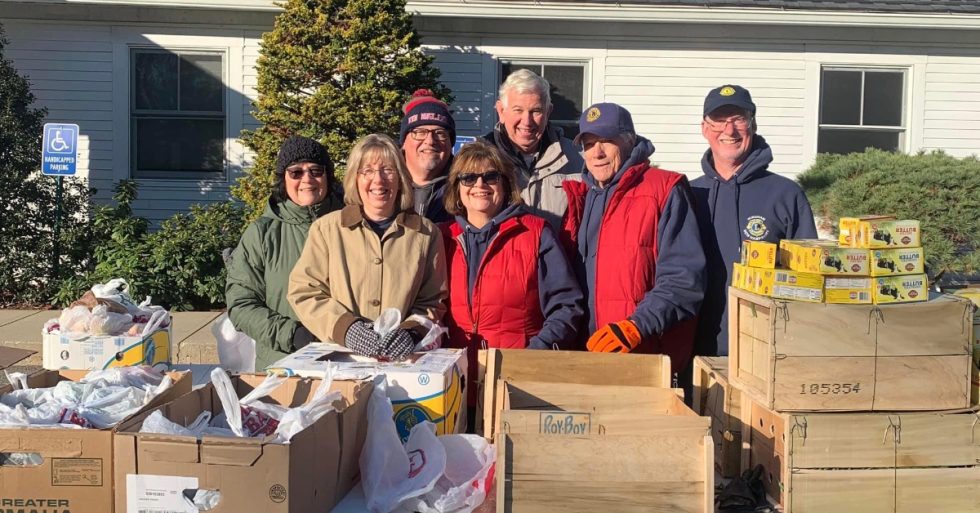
(177,114)
(568,89)
(861,108)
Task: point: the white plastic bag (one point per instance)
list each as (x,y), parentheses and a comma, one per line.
(463,485)
(104,322)
(236,350)
(117,290)
(74,322)
(303,416)
(390,472)
(391,318)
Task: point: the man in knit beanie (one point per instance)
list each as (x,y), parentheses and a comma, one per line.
(428,133)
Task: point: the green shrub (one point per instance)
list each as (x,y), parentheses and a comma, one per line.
(939,190)
(27,213)
(332,70)
(179,266)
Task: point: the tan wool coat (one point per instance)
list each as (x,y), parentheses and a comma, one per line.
(346,272)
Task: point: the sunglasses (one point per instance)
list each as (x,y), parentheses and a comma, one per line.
(297,172)
(489,178)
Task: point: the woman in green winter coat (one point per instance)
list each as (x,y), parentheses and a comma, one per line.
(258,274)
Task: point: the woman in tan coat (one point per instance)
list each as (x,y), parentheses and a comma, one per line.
(374,254)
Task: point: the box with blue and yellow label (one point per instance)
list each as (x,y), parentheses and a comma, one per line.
(428,386)
(106,351)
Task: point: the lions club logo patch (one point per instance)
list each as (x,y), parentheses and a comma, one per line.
(755,228)
(592,115)
(727,91)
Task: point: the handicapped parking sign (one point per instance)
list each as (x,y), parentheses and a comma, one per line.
(59,153)
(462,140)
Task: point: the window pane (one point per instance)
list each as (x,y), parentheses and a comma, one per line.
(883,96)
(855,141)
(566,90)
(568,128)
(180,144)
(155,84)
(840,98)
(506,68)
(200,83)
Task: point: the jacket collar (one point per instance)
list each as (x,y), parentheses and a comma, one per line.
(351,216)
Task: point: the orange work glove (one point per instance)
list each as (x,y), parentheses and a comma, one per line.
(617,337)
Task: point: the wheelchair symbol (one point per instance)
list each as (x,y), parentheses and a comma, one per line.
(58,143)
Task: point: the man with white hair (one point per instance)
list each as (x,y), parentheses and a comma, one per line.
(543,158)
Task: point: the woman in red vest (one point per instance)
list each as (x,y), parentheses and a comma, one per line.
(510,284)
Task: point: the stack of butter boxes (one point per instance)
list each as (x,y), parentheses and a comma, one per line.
(877,259)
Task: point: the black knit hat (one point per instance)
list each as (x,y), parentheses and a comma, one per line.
(302,149)
(425,109)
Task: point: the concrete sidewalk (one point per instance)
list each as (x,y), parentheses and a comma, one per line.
(193,341)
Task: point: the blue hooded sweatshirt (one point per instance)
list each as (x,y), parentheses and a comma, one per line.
(754,204)
(679,284)
(558,291)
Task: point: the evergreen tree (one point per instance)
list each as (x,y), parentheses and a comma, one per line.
(28,210)
(332,70)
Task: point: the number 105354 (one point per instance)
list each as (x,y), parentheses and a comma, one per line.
(829,388)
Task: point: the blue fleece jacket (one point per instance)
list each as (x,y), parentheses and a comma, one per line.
(679,284)
(754,204)
(429,202)
(558,291)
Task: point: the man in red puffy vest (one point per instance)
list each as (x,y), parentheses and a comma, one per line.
(639,249)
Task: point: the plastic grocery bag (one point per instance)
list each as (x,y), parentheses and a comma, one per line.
(236,350)
(463,485)
(391,318)
(393,473)
(157,423)
(104,322)
(116,290)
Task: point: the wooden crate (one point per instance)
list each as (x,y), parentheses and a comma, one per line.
(499,365)
(653,455)
(795,356)
(865,462)
(715,398)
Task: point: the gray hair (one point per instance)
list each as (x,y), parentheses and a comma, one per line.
(525,81)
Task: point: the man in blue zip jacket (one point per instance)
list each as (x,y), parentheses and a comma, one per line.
(738,199)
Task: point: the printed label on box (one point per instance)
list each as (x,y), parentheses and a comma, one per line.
(76,471)
(159,494)
(564,423)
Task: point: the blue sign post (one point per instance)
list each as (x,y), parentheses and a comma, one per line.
(462,140)
(60,149)
(59,156)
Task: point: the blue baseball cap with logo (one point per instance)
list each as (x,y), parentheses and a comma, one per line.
(605,120)
(729,94)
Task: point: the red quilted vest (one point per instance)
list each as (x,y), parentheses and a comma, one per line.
(505,311)
(626,267)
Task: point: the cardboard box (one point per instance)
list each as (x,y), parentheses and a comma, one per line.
(313,472)
(888,262)
(826,257)
(868,462)
(103,352)
(759,254)
(854,291)
(850,226)
(901,289)
(76,470)
(799,286)
(497,366)
(738,275)
(889,234)
(795,356)
(579,448)
(428,386)
(716,398)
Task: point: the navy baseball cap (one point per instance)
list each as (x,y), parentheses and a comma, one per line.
(606,120)
(728,94)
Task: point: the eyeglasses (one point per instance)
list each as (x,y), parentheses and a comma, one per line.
(388,172)
(739,122)
(489,178)
(421,134)
(297,172)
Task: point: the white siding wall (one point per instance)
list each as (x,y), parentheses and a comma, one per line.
(80,73)
(952,105)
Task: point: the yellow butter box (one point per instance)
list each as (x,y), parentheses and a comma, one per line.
(889,234)
(759,254)
(799,286)
(840,290)
(738,275)
(826,257)
(792,252)
(886,262)
(900,289)
(763,281)
(848,228)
